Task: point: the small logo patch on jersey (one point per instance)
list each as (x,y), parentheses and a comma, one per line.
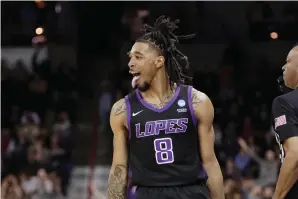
(182,110)
(181,103)
(281,120)
(134,114)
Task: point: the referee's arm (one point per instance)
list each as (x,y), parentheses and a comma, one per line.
(286,127)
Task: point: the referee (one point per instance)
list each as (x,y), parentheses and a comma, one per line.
(285,121)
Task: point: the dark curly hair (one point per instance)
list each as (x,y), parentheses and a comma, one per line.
(162,38)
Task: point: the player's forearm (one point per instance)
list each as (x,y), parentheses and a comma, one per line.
(287,177)
(117,184)
(215,179)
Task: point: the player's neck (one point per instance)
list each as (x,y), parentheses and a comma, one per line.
(159,88)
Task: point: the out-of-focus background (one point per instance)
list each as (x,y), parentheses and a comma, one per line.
(63,65)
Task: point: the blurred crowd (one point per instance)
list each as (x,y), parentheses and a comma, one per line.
(38,109)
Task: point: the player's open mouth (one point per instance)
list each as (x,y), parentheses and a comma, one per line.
(136,74)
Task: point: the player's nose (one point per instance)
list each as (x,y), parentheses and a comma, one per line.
(131,64)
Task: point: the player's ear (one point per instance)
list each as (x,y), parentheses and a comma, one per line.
(159,61)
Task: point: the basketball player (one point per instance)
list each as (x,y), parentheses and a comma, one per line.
(285,114)
(164,126)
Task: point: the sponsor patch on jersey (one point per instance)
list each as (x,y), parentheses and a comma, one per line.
(280,121)
(181,103)
(182,110)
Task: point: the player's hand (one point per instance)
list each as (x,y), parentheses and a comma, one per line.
(242,142)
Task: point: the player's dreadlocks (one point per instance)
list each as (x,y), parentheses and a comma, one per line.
(161,36)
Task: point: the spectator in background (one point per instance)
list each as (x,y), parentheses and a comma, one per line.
(242,161)
(57,190)
(30,117)
(63,124)
(255,193)
(268,192)
(268,166)
(10,188)
(37,186)
(231,187)
(44,186)
(237,195)
(61,141)
(29,184)
(231,171)
(61,164)
(56,151)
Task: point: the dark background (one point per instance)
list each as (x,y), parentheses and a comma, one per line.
(58,87)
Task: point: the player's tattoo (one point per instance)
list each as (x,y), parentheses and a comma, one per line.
(117,183)
(165,101)
(196,100)
(121,108)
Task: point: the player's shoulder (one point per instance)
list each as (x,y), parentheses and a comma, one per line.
(201,104)
(118,118)
(119,108)
(198,96)
(290,98)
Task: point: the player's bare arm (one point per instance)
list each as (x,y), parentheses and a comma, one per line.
(204,112)
(117,183)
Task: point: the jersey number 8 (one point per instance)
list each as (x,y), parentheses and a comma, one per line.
(164,151)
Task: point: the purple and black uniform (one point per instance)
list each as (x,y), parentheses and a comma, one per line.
(164,147)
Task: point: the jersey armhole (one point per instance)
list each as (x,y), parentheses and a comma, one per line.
(128,115)
(191,109)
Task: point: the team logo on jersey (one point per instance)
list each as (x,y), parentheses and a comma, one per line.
(137,113)
(279,121)
(181,103)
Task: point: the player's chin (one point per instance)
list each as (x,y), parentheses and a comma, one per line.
(144,86)
(287,82)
